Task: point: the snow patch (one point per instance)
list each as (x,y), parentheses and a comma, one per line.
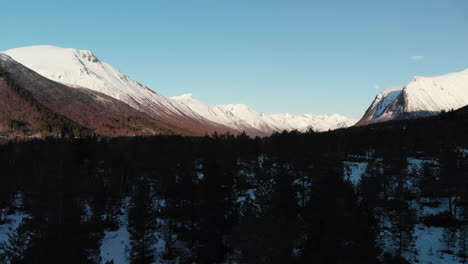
(114,244)
(354,171)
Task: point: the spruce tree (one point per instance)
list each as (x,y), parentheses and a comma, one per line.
(142,225)
(449,239)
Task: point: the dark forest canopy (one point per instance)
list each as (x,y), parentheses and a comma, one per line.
(232,199)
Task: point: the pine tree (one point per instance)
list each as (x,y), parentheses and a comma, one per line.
(402,220)
(428,180)
(451,179)
(463,232)
(337,229)
(449,238)
(463,241)
(142,225)
(170,252)
(401,215)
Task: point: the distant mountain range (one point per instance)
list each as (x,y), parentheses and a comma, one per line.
(81,71)
(52,90)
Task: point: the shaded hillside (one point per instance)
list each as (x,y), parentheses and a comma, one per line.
(85,108)
(23,116)
(80,68)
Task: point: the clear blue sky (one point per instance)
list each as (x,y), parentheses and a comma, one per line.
(296,56)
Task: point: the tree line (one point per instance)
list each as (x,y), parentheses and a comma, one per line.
(231,199)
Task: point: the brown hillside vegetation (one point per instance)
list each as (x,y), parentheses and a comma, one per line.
(27,96)
(17,118)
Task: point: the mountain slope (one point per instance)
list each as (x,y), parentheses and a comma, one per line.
(242,117)
(423,96)
(80,68)
(48,106)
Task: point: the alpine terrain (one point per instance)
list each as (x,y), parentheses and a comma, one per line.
(81,68)
(423,96)
(242,117)
(34,105)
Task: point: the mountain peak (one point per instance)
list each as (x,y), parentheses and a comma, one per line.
(40,52)
(186,96)
(390,90)
(40,49)
(422,96)
(81,68)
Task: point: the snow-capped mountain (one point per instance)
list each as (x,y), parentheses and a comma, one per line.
(242,117)
(422,96)
(35,106)
(81,68)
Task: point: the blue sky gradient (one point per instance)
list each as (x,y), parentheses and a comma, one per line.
(297,56)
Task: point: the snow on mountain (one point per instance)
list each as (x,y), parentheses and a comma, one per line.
(306,121)
(4,57)
(240,116)
(422,96)
(81,68)
(82,110)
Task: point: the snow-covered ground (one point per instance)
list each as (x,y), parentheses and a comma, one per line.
(429,244)
(11,224)
(354,171)
(428,241)
(114,244)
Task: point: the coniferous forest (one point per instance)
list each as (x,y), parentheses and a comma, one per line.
(357,195)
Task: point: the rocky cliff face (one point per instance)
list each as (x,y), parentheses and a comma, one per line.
(422,96)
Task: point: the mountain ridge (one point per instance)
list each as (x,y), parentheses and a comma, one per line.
(56,107)
(241,115)
(422,96)
(81,68)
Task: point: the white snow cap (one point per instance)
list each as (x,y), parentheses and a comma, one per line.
(421,95)
(241,116)
(81,68)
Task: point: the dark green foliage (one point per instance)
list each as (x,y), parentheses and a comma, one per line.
(338,230)
(391,259)
(142,225)
(227,199)
(442,219)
